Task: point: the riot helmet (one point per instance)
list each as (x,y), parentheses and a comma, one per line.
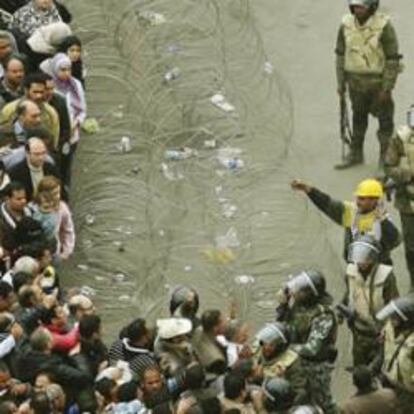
(365,250)
(273,339)
(184,302)
(410,117)
(306,409)
(401,309)
(311,280)
(278,394)
(369,4)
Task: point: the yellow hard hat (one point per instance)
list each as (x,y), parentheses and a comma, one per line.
(370,188)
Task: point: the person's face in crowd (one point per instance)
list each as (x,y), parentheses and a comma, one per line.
(74,53)
(18,201)
(59,319)
(152,382)
(86,307)
(45,260)
(180,339)
(361,12)
(15,72)
(6,302)
(31,118)
(64,73)
(46,204)
(268,349)
(5,49)
(43,4)
(366,204)
(37,154)
(36,92)
(4,380)
(42,381)
(242,334)
(221,326)
(49,90)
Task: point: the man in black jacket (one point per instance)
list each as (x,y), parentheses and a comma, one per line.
(30,171)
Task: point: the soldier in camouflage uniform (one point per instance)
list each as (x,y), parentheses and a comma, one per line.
(399,166)
(368,64)
(276,359)
(398,356)
(370,286)
(305,307)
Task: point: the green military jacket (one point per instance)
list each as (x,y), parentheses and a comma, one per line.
(388,79)
(399,165)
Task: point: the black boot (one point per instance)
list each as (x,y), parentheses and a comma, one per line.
(355,157)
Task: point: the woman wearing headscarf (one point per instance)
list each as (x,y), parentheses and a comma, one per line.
(60,69)
(72,46)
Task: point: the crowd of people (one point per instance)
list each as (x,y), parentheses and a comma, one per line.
(53,358)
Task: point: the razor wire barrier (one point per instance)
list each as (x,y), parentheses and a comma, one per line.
(166,75)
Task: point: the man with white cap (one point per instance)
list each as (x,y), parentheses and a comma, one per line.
(173,345)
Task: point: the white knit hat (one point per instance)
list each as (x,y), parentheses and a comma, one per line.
(172,327)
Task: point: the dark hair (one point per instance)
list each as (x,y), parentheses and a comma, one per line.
(210,319)
(105,386)
(36,249)
(32,78)
(68,42)
(13,187)
(5,289)
(45,76)
(195,377)
(211,406)
(6,321)
(134,331)
(362,378)
(89,325)
(20,58)
(243,368)
(25,296)
(21,279)
(40,403)
(127,392)
(40,133)
(233,385)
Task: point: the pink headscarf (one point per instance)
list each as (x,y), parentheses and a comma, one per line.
(69,86)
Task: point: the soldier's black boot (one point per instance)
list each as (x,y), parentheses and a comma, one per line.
(355,157)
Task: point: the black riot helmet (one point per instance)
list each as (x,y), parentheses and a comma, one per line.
(276,334)
(184,302)
(278,394)
(364,250)
(401,309)
(311,280)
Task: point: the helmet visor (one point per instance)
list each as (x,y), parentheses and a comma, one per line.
(362,253)
(301,282)
(270,333)
(410,117)
(389,311)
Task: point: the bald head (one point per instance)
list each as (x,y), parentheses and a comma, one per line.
(36,152)
(29,114)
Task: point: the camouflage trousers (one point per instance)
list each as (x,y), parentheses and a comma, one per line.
(364,348)
(407,223)
(318,376)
